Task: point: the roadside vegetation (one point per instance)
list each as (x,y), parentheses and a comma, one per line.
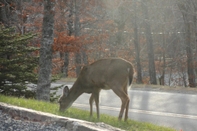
(130,125)
(17,62)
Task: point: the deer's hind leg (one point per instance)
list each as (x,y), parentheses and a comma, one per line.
(127,106)
(122,93)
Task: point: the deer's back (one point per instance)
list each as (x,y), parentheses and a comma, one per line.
(105,73)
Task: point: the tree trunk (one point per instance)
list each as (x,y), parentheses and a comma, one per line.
(78,63)
(149,40)
(84,55)
(137,47)
(3,14)
(188,11)
(77,33)
(70,32)
(195,37)
(190,64)
(66,63)
(162,78)
(45,61)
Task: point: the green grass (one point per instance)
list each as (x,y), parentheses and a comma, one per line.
(130,125)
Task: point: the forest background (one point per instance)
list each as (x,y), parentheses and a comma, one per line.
(158,36)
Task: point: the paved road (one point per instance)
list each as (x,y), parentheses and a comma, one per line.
(174,110)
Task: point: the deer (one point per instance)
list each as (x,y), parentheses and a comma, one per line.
(109,73)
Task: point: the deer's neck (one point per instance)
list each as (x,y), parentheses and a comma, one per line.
(75,92)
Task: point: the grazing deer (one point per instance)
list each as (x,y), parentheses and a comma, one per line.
(112,73)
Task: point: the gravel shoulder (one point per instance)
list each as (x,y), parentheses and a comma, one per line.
(8,123)
(14,118)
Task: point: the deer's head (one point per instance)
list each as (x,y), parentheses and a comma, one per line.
(64,100)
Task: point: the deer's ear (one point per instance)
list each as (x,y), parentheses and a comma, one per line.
(84,68)
(65,91)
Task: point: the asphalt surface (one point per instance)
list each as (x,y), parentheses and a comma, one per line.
(166,108)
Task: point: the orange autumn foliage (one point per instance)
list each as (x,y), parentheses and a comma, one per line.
(65,43)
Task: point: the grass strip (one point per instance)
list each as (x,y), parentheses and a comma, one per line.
(130,125)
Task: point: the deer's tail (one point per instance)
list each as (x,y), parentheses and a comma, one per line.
(131,72)
(130,76)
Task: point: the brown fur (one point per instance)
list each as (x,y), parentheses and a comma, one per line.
(111,73)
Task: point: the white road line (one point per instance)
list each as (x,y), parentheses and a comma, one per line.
(142,111)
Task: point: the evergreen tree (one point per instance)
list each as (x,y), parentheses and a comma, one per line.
(17,63)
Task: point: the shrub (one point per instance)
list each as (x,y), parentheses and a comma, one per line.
(17,63)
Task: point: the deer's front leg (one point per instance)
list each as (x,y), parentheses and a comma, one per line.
(91,100)
(96,98)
